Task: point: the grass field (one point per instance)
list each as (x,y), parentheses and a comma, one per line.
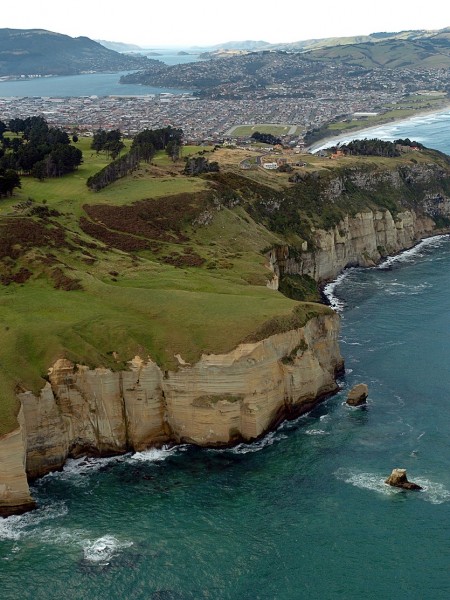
(276,130)
(69,193)
(131,303)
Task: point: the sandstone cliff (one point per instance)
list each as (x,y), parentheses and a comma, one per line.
(419,195)
(361,240)
(219,400)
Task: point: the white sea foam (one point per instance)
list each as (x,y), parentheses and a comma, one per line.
(77,470)
(386,132)
(101,550)
(17,527)
(157,454)
(366,481)
(267,440)
(316,432)
(412,253)
(329,292)
(433,492)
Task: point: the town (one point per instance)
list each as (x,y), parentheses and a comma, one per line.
(265,88)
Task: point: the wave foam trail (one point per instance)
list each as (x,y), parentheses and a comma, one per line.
(316,432)
(330,288)
(157,454)
(243,448)
(436,493)
(101,550)
(412,253)
(77,470)
(17,527)
(366,481)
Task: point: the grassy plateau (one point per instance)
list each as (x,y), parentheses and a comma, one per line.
(142,277)
(159,264)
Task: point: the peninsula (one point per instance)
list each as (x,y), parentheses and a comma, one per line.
(180,302)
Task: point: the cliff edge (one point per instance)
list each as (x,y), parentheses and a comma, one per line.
(221,399)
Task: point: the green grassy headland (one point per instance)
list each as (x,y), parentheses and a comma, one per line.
(159,264)
(148,281)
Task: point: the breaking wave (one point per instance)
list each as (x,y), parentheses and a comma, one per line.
(17,527)
(410,255)
(103,549)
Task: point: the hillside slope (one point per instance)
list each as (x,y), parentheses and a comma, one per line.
(160,264)
(41,52)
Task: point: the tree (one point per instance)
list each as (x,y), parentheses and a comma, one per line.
(9,180)
(198,165)
(98,140)
(173,149)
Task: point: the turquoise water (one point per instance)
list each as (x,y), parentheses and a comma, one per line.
(303,513)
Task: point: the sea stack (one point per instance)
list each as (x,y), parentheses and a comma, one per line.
(358,395)
(398,479)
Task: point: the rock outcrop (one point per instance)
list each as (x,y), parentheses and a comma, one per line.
(15,495)
(219,400)
(358,395)
(398,479)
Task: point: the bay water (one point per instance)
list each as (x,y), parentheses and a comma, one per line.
(92,84)
(88,84)
(301,514)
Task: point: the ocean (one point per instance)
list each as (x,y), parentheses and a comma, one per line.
(432,130)
(301,514)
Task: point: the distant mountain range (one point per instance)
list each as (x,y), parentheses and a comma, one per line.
(231,72)
(120,46)
(319,43)
(41,52)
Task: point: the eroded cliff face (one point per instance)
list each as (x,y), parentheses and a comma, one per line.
(361,240)
(418,190)
(15,495)
(219,400)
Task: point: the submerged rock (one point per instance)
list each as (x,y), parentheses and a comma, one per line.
(398,479)
(358,395)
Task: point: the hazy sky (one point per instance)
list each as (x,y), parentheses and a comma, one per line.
(199,22)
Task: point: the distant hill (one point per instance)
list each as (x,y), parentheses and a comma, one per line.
(317,43)
(428,52)
(41,52)
(119,46)
(239,45)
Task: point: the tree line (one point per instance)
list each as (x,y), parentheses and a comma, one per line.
(143,148)
(266,138)
(37,149)
(376,147)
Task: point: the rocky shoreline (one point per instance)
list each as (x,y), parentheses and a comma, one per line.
(221,400)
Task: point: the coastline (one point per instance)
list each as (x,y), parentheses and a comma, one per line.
(328,140)
(328,287)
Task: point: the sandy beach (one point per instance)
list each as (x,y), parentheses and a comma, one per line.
(358,132)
